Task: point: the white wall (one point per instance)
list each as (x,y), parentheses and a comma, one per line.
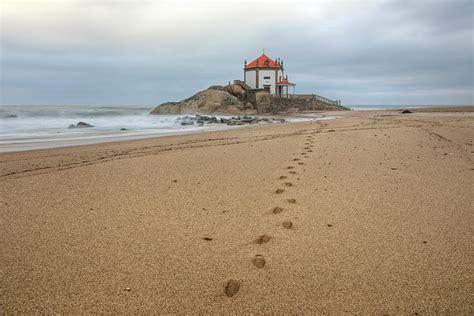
(250,78)
(271,81)
(279,75)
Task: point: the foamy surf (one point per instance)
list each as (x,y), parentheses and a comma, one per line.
(40,127)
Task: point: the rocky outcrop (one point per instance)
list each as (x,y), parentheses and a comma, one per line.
(214,100)
(238,98)
(80,125)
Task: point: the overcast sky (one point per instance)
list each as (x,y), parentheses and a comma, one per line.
(144,52)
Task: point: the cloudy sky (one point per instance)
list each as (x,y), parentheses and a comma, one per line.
(144,52)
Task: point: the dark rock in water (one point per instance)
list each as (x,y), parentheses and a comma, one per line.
(12,116)
(80,125)
(124,129)
(406,112)
(187,123)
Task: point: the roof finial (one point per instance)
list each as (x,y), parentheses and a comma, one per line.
(264,50)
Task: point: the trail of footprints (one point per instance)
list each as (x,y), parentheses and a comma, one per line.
(232,286)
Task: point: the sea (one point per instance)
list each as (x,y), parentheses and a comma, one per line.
(39,127)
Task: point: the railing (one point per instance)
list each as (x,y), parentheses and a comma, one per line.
(309,97)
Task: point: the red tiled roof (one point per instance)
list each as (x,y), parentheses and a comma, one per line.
(285,82)
(262,62)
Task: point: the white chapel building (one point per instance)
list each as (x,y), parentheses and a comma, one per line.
(266,73)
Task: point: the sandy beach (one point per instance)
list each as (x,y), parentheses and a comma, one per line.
(368,213)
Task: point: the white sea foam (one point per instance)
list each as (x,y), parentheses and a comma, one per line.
(36,127)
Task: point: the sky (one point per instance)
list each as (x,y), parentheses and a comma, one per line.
(144,52)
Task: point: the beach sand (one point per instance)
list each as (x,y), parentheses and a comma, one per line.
(377,206)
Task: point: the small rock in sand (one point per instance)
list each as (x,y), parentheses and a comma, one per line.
(287,224)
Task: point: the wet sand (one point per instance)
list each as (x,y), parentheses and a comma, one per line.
(370,213)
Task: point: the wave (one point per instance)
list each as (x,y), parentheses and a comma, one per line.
(69,111)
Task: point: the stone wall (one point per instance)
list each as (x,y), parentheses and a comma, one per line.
(261,99)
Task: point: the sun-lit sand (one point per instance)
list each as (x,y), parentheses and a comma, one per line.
(369,213)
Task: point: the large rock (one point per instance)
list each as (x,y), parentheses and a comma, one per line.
(236,90)
(81,125)
(210,101)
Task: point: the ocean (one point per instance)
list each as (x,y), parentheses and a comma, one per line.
(38,127)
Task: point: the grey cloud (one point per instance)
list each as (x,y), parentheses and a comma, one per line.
(147,52)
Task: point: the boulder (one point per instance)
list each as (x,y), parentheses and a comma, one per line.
(80,125)
(236,91)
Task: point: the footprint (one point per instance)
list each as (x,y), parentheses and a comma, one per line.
(287,224)
(292,201)
(231,287)
(288,184)
(277,210)
(263,239)
(301,163)
(258,261)
(310,151)
(293,172)
(283,177)
(290,167)
(296,159)
(279,191)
